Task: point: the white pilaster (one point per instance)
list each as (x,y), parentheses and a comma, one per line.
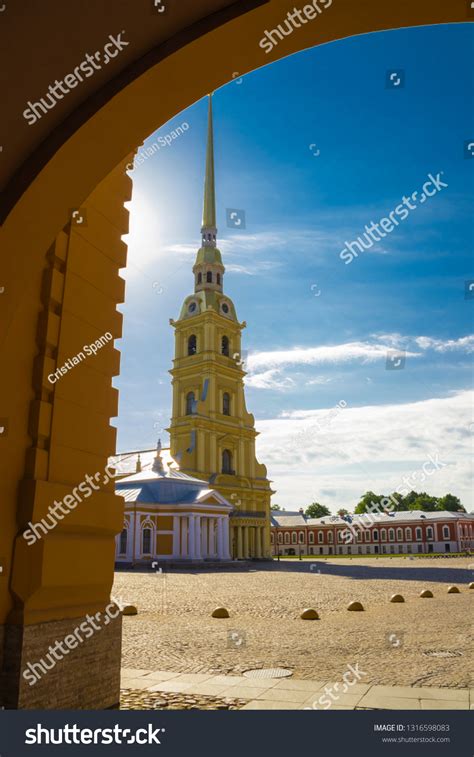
(197,537)
(212,537)
(204,537)
(176,536)
(225,538)
(220,537)
(192,537)
(184,537)
(137,533)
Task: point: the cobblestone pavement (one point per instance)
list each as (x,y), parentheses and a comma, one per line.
(422,642)
(136,699)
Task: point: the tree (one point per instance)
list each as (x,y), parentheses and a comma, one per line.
(315,510)
(397,502)
(342,512)
(451,503)
(275,507)
(424,502)
(367,499)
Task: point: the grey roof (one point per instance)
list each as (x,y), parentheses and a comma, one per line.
(296,519)
(163,484)
(285,518)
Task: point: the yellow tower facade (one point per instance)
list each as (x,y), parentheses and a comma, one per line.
(211,433)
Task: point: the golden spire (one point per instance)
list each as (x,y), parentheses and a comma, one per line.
(209,207)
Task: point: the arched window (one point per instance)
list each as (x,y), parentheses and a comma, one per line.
(123,542)
(301,537)
(445,532)
(227,461)
(218,277)
(199,278)
(287,538)
(190,403)
(320,537)
(429,533)
(367,534)
(399,534)
(192,345)
(376,535)
(293,537)
(330,537)
(418,534)
(311,537)
(226,403)
(383,534)
(391,534)
(408,536)
(209,277)
(146,541)
(280,538)
(225,345)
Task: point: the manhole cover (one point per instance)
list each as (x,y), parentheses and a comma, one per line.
(268,673)
(443,653)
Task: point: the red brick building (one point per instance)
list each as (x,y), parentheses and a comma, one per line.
(410,532)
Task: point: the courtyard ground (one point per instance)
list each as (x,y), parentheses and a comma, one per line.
(422,642)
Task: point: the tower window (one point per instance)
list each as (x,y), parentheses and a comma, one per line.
(218,278)
(226,403)
(227,461)
(209,277)
(225,345)
(199,278)
(192,345)
(123,542)
(190,403)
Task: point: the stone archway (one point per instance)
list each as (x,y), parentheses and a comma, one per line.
(59,290)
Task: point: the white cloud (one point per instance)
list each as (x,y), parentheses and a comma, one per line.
(439,345)
(338,353)
(270,379)
(370,447)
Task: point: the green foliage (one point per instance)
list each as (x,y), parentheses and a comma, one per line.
(275,507)
(451,503)
(367,499)
(411,501)
(315,510)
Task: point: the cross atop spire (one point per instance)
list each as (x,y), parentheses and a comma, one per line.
(209,230)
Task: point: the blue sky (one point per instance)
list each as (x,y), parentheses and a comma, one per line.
(319,330)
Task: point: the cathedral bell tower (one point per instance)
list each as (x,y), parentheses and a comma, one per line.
(212,436)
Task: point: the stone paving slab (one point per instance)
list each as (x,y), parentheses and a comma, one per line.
(208,689)
(293,684)
(261,704)
(291,694)
(350,700)
(419,692)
